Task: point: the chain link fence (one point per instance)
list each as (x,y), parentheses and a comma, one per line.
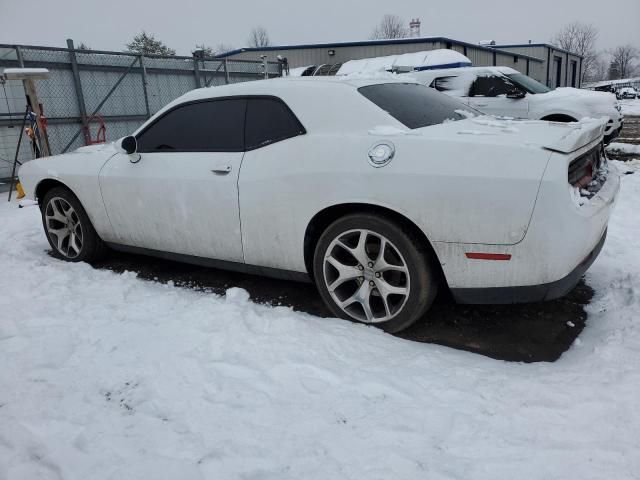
(89,88)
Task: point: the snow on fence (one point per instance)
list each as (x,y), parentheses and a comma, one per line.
(86,87)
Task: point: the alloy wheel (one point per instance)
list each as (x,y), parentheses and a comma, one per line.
(366,276)
(64,227)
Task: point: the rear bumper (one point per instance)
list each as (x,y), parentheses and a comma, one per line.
(529,293)
(615,133)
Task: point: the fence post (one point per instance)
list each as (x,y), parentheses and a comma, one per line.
(226,71)
(143,71)
(196,71)
(106,97)
(19,55)
(76,83)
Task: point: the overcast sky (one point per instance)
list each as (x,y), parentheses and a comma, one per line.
(109,24)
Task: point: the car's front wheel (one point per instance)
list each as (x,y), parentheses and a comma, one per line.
(371,270)
(68,228)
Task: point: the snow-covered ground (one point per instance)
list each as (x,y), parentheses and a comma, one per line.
(626,148)
(630,107)
(106,376)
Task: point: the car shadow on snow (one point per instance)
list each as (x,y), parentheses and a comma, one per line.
(537,332)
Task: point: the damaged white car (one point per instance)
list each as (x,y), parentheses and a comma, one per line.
(379,191)
(507,92)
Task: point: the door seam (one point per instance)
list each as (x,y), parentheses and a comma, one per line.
(244,260)
(104,205)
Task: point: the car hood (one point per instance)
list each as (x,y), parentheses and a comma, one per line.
(99,147)
(595,100)
(85,160)
(558,137)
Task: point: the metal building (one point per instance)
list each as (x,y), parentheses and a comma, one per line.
(561,68)
(534,60)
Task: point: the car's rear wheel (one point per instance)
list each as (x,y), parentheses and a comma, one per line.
(68,228)
(371,270)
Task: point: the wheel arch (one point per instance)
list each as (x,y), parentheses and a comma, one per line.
(559,117)
(321,220)
(47,184)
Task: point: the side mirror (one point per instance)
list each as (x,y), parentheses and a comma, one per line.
(127,145)
(516,93)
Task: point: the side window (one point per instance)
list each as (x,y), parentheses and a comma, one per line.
(490,86)
(443,84)
(208,126)
(269,120)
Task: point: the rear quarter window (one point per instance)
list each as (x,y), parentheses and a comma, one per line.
(414,105)
(268,121)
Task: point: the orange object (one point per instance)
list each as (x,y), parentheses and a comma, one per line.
(20,191)
(101,132)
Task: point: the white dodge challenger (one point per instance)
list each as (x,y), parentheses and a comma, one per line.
(379,191)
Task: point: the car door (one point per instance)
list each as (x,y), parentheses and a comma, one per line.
(179,192)
(276,157)
(488,94)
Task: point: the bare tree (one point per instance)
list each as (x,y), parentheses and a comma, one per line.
(600,70)
(83,46)
(622,59)
(580,38)
(223,48)
(259,37)
(391,26)
(145,43)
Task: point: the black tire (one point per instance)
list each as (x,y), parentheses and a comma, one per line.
(412,252)
(91,246)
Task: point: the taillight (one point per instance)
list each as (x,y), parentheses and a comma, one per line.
(589,172)
(582,168)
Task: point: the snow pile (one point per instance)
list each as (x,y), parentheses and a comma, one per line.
(105,376)
(586,97)
(466,113)
(630,107)
(433,59)
(504,124)
(379,75)
(425,60)
(625,148)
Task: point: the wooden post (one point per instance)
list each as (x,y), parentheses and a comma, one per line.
(30,90)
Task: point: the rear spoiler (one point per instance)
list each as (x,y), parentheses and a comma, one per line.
(579,134)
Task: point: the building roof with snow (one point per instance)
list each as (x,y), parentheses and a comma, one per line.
(547,64)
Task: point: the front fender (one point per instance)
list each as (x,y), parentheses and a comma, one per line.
(78,171)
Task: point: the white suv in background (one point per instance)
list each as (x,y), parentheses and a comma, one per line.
(628,93)
(504,91)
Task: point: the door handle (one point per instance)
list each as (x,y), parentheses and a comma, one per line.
(222,170)
(480,104)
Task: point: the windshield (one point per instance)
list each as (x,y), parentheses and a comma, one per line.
(528,83)
(415,105)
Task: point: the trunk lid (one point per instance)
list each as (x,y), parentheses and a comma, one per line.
(554,136)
